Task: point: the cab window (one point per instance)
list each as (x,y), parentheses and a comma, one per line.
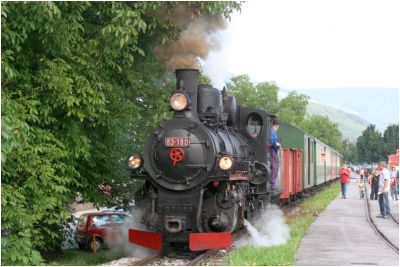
(254,125)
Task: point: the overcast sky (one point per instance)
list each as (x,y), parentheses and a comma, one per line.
(313,43)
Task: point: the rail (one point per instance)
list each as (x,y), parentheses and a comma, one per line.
(375,228)
(202,256)
(394,218)
(147,260)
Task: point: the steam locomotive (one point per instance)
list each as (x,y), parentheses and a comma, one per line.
(205,170)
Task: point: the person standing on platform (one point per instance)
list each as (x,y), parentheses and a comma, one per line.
(384,188)
(366,175)
(394,184)
(344,173)
(361,186)
(274,146)
(362,173)
(373,180)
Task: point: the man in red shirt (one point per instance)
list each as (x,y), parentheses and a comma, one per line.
(344,173)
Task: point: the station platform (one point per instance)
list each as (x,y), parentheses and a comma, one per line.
(341,235)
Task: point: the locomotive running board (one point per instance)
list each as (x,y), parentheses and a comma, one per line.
(203,241)
(145,239)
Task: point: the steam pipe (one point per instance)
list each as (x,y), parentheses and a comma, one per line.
(186,79)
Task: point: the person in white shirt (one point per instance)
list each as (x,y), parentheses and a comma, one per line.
(394,184)
(383,191)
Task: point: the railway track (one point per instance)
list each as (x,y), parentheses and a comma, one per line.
(394,218)
(202,256)
(157,259)
(148,260)
(376,229)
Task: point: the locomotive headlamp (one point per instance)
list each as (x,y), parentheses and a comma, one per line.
(225,163)
(135,162)
(178,101)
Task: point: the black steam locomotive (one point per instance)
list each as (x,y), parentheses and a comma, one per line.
(206,170)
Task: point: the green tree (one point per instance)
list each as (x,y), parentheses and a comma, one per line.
(267,96)
(204,79)
(293,108)
(323,129)
(243,89)
(349,152)
(370,145)
(80,91)
(391,139)
(263,96)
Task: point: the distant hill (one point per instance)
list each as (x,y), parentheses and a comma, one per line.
(379,106)
(350,124)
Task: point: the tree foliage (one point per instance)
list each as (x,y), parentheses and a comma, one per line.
(391,139)
(204,79)
(323,129)
(263,95)
(293,108)
(370,145)
(349,152)
(80,90)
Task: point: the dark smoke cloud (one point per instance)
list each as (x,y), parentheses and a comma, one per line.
(195,41)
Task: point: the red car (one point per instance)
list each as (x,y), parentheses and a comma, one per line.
(103,227)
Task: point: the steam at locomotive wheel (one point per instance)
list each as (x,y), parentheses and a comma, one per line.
(206,170)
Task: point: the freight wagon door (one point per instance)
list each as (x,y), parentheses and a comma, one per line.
(298,171)
(288,183)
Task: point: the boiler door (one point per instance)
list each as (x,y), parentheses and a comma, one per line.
(180,155)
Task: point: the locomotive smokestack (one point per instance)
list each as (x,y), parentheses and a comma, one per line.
(186,79)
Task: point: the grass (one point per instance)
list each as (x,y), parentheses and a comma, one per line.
(285,254)
(76,257)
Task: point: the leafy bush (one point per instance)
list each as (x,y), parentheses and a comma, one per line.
(80,91)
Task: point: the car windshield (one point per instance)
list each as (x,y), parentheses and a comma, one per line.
(118,219)
(101,221)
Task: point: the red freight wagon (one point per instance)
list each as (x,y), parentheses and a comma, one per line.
(394,159)
(292,172)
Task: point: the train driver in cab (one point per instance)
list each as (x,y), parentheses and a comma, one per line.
(274,146)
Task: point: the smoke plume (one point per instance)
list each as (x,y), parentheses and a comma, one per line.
(196,40)
(269,229)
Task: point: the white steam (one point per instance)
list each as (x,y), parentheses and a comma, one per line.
(269,229)
(122,237)
(215,68)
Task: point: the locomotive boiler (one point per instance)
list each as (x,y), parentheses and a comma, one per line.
(205,170)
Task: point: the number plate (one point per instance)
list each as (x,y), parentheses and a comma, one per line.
(177,141)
